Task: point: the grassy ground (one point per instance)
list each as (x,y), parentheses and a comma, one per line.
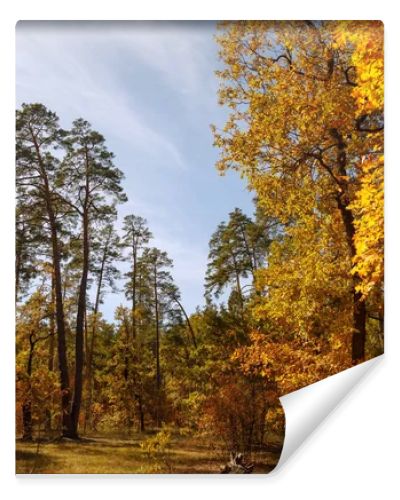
(107,454)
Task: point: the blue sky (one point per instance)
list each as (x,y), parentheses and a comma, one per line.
(150,89)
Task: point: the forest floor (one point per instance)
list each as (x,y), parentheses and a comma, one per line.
(109,454)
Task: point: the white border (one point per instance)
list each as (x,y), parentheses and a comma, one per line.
(350,455)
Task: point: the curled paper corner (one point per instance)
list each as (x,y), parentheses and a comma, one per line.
(307,408)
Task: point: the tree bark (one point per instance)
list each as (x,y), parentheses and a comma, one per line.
(18,252)
(50,363)
(79,354)
(80,317)
(89,360)
(359,307)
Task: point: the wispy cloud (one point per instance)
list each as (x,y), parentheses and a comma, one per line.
(54,66)
(176,50)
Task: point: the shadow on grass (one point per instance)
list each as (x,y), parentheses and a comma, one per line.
(29,462)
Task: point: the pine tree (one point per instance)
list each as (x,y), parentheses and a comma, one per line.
(94,189)
(38,140)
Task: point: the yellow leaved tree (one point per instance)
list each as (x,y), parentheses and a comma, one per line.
(305,130)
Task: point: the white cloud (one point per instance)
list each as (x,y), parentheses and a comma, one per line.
(59,68)
(178,54)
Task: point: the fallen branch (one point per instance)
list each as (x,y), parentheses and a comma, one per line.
(237,465)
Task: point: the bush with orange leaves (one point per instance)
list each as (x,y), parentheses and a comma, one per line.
(237,411)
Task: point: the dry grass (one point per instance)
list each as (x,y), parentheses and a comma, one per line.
(108,454)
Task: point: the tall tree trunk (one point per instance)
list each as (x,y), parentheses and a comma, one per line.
(20,242)
(67,428)
(127,373)
(237,276)
(17,273)
(18,252)
(80,319)
(90,350)
(138,395)
(85,336)
(238,286)
(250,253)
(359,307)
(50,363)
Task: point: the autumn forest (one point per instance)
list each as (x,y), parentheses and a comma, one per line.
(293,293)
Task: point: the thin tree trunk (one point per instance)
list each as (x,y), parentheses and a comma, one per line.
(19,250)
(90,350)
(17,273)
(250,253)
(17,268)
(192,334)
(80,317)
(27,405)
(67,428)
(238,285)
(50,363)
(79,352)
(135,288)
